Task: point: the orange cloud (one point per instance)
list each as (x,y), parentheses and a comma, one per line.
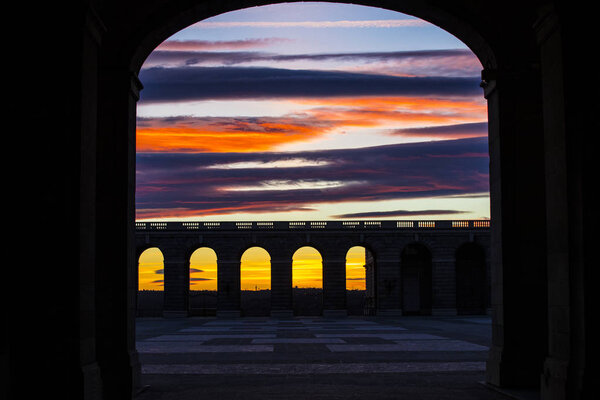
(220,134)
(224,134)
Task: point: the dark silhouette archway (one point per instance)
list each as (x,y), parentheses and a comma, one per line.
(471,286)
(541,187)
(415,264)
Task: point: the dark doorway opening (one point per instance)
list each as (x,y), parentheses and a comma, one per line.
(416,280)
(470,279)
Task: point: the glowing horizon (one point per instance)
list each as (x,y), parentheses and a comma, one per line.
(255,269)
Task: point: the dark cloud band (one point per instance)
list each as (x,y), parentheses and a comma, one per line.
(190,183)
(196,83)
(190,57)
(398,213)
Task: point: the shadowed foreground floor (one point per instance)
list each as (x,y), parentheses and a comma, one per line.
(314,358)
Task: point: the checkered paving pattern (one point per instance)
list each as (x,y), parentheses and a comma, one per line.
(300,346)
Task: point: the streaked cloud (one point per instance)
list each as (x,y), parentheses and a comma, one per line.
(285,163)
(199,83)
(248,134)
(398,213)
(226,134)
(171,185)
(203,45)
(473,129)
(444,62)
(236,119)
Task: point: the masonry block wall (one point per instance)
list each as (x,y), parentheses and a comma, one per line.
(430,285)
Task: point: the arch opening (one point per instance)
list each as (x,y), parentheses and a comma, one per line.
(360,281)
(307,281)
(416,271)
(203,282)
(255,282)
(471,284)
(302,119)
(150,292)
(422,300)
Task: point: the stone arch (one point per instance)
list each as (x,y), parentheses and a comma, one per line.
(150,292)
(255,281)
(203,282)
(169,20)
(416,279)
(365,272)
(154,256)
(518,125)
(307,288)
(471,284)
(538,170)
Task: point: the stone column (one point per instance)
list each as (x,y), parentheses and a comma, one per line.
(177,284)
(388,285)
(565,138)
(370,293)
(443,282)
(228,288)
(281,287)
(116,271)
(334,286)
(518,231)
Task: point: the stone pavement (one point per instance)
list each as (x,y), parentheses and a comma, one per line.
(314,358)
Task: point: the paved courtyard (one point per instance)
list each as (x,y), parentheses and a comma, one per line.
(314,358)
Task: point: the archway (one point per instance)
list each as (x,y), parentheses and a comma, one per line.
(416,270)
(255,282)
(150,296)
(307,281)
(524,117)
(91,97)
(203,282)
(471,286)
(360,281)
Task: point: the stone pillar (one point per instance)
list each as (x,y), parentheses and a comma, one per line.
(388,289)
(334,286)
(116,264)
(443,282)
(228,288)
(370,293)
(518,231)
(564,370)
(281,287)
(177,284)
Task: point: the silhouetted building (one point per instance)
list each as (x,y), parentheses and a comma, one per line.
(79,139)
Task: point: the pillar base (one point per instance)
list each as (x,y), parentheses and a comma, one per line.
(492,368)
(92,381)
(228,313)
(282,313)
(390,312)
(554,379)
(335,313)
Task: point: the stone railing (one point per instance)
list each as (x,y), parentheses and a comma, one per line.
(310,225)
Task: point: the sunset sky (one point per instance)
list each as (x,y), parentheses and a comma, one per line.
(311,111)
